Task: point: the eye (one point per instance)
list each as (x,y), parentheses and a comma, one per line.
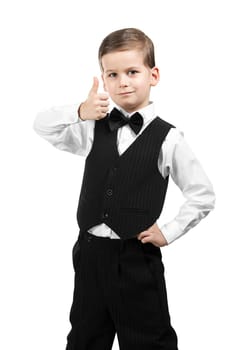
(132,72)
(112,75)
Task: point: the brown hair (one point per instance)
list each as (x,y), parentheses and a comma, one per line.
(128,39)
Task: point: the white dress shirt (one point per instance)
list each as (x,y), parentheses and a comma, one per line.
(63,128)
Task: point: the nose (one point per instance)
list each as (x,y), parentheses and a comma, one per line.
(123,81)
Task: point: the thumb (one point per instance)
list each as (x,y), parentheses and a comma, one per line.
(94,88)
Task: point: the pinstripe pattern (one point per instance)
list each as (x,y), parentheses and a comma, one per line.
(125,192)
(119,289)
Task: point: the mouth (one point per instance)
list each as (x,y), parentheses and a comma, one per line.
(126,93)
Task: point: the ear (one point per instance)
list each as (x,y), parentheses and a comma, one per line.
(155,76)
(103,80)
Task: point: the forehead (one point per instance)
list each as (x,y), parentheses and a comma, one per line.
(117,60)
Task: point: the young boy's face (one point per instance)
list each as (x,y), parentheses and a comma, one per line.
(127,79)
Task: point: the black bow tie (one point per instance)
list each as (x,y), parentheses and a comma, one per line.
(117,120)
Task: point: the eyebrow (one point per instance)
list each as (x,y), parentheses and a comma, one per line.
(110,70)
(114,70)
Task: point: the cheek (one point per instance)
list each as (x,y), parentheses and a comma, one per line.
(143,83)
(104,84)
(109,87)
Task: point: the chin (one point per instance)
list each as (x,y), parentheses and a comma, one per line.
(129,109)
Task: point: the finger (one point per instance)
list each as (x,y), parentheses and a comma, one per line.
(146,239)
(100,109)
(104,103)
(138,236)
(101,115)
(103,111)
(103,96)
(143,234)
(94,88)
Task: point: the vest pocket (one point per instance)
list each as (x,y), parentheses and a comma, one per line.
(135,211)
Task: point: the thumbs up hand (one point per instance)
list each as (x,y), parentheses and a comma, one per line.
(96,104)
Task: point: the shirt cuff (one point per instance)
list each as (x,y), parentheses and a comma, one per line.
(171,231)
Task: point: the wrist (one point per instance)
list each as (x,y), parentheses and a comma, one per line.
(80,113)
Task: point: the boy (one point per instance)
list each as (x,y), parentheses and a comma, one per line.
(130,153)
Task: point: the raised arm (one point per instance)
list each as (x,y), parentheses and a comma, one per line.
(70,128)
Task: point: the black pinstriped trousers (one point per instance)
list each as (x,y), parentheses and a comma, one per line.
(119,288)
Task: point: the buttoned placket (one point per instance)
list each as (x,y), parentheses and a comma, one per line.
(109,191)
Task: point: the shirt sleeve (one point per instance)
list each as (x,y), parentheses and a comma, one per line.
(177,159)
(62,127)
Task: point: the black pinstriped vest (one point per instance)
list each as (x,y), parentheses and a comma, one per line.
(125,192)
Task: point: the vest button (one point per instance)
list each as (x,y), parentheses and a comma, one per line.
(105,215)
(109,192)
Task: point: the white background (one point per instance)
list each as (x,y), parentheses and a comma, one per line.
(49,57)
